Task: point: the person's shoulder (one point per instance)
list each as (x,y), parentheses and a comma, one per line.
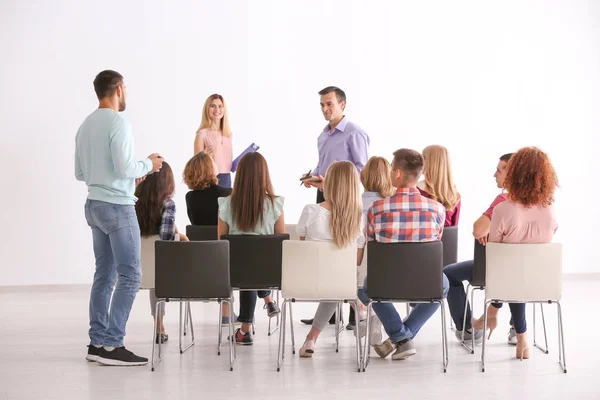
(169,204)
(354,129)
(224,201)
(377,204)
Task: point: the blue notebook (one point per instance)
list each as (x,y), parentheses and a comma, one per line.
(250,149)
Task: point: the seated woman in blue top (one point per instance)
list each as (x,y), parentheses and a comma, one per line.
(252,209)
(155,210)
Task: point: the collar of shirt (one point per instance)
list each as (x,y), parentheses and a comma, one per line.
(407,191)
(341,126)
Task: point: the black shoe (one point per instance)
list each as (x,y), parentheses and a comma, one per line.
(351,326)
(307,321)
(245,339)
(162,337)
(93,353)
(120,356)
(272,309)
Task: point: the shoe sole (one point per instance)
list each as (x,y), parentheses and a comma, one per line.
(234,324)
(404,355)
(91,358)
(118,363)
(273,314)
(307,354)
(244,344)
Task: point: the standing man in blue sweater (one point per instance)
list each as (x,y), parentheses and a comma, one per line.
(105,160)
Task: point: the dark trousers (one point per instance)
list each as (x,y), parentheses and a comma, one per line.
(352,317)
(224,180)
(248,304)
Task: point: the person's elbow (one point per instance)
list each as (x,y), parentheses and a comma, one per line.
(79,176)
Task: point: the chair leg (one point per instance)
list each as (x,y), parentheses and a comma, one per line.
(292,328)
(358,340)
(562,359)
(220,336)
(407,309)
(186,321)
(231,340)
(153,363)
(462,339)
(535,344)
(269,331)
(484,335)
(190,321)
(444,337)
(367,351)
(181,322)
(337,328)
(281,344)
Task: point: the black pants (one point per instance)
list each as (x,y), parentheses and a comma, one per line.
(248,304)
(352,317)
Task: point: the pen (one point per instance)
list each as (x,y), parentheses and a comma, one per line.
(307,174)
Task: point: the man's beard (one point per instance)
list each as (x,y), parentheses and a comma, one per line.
(122,105)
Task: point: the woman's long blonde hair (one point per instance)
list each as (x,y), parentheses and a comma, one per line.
(207,122)
(439,182)
(376,177)
(342,191)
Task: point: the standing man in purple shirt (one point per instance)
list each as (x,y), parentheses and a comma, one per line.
(341,140)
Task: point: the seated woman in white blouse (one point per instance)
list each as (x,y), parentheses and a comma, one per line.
(339,220)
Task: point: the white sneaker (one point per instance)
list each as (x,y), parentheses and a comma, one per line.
(512,336)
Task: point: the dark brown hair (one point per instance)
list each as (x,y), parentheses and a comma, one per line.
(409,161)
(339,93)
(530,178)
(151,194)
(199,172)
(506,157)
(106,83)
(251,188)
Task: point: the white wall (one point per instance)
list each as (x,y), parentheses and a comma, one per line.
(481,79)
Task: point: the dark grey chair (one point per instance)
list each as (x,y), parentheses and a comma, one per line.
(406,272)
(193,271)
(477,283)
(255,264)
(450,240)
(201,232)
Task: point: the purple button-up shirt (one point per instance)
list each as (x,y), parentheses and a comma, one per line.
(347,142)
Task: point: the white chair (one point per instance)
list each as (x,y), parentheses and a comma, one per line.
(290,229)
(525,273)
(316,272)
(147,259)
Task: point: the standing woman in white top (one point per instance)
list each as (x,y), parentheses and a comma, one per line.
(339,220)
(214,137)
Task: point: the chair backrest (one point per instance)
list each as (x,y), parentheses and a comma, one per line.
(362,269)
(405,271)
(147,261)
(478,264)
(450,240)
(255,260)
(192,270)
(524,272)
(201,232)
(291,230)
(318,271)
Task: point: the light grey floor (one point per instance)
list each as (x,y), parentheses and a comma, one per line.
(44,334)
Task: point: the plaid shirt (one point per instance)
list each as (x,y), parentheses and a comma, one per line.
(167,222)
(407,216)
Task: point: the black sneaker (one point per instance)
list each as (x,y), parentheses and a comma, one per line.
(272,309)
(307,321)
(162,337)
(120,356)
(93,353)
(245,339)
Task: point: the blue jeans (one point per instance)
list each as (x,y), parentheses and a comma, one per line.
(248,304)
(116,237)
(457,273)
(395,328)
(224,180)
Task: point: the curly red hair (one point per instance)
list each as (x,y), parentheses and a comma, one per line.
(530,178)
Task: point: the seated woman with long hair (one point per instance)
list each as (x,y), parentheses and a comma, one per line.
(252,209)
(438,182)
(155,210)
(525,217)
(339,220)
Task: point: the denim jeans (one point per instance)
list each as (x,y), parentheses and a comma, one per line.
(224,180)
(456,274)
(116,237)
(248,304)
(395,328)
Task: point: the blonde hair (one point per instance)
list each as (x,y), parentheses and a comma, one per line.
(199,172)
(376,177)
(439,182)
(207,122)
(342,191)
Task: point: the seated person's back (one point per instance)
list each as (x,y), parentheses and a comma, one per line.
(200,175)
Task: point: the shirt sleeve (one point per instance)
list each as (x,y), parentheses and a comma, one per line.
(499,199)
(224,211)
(167,222)
(370,225)
(361,240)
(277,207)
(359,149)
(497,226)
(301,226)
(78,171)
(121,148)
